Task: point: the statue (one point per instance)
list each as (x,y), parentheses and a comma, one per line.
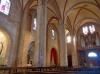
(1,47)
(30,53)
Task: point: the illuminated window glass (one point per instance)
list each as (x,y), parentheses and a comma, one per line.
(5,6)
(92,29)
(85,30)
(92,54)
(66,32)
(67,36)
(53,34)
(68,39)
(34,24)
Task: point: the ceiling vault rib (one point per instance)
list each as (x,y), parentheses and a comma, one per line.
(97,3)
(89,11)
(73,7)
(80,9)
(64,11)
(51,10)
(69,23)
(73,25)
(22,4)
(28,4)
(85,19)
(68,20)
(58,9)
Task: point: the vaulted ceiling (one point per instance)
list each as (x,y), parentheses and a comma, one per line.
(74,13)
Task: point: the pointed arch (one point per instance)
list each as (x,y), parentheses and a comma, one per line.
(54,56)
(5,46)
(51,43)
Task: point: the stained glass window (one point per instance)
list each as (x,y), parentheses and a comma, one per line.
(68,39)
(5,6)
(34,24)
(67,36)
(92,28)
(53,34)
(85,30)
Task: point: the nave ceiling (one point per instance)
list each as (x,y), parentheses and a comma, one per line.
(73,13)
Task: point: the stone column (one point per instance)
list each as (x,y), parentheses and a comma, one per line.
(24,40)
(74,52)
(63,51)
(41,31)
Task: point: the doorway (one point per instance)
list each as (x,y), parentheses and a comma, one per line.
(69,60)
(54,57)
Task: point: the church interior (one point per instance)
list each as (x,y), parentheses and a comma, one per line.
(42,35)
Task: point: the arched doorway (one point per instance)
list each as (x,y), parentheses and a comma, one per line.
(54,57)
(4,47)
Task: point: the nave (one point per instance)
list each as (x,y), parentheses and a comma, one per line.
(49,36)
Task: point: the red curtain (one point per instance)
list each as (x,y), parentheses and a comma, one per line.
(54,56)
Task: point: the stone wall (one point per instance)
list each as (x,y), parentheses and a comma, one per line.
(11,24)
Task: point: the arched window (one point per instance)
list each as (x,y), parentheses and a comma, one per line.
(67,36)
(87,29)
(89,36)
(5,6)
(4,44)
(53,34)
(34,24)
(92,54)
